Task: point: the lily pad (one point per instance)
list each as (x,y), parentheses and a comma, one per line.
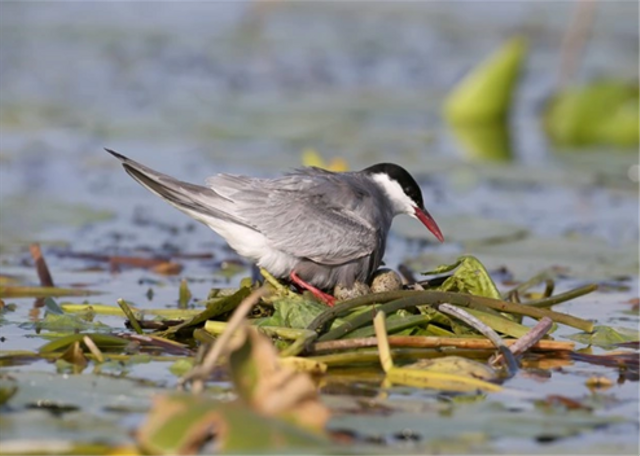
(606,336)
(102,341)
(490,420)
(84,401)
(66,323)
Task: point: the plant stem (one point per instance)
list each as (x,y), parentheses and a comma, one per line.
(527,341)
(563,297)
(434,342)
(512,365)
(547,274)
(370,356)
(130,316)
(433,298)
(384,351)
(280,289)
(345,307)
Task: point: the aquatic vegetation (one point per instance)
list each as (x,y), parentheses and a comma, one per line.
(523,340)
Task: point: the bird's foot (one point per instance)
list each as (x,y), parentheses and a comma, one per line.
(322,296)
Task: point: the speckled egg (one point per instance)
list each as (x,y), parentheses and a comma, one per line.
(385,280)
(359,289)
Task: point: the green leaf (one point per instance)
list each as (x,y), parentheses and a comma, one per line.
(103,342)
(8,387)
(606,336)
(214,308)
(103,309)
(183,423)
(52,306)
(485,93)
(181,367)
(66,323)
(601,112)
(184,295)
(294,312)
(499,323)
(470,277)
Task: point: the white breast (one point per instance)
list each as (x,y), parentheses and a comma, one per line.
(253,245)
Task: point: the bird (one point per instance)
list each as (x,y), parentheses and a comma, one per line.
(315,227)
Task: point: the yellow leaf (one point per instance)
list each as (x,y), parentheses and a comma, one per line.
(439,380)
(303,365)
(125,450)
(456,365)
(310,157)
(338,165)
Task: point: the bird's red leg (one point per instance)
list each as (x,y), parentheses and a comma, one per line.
(324,297)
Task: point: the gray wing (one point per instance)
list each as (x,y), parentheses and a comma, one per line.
(196,201)
(310,213)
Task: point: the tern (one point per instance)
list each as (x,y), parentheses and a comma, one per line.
(317,228)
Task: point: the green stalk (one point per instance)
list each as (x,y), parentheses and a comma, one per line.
(547,274)
(394,325)
(345,307)
(563,297)
(129,313)
(433,298)
(500,324)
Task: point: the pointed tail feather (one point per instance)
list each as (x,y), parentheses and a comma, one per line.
(197,201)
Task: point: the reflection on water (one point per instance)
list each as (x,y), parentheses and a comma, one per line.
(482,142)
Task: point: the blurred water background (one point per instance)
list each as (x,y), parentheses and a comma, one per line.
(196,88)
(202,87)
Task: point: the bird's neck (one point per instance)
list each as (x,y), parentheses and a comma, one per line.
(396,198)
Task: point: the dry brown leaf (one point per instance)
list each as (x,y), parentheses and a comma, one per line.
(167,268)
(567,402)
(271,388)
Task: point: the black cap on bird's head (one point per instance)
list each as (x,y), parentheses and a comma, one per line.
(404,193)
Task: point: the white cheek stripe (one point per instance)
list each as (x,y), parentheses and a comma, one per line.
(402,204)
